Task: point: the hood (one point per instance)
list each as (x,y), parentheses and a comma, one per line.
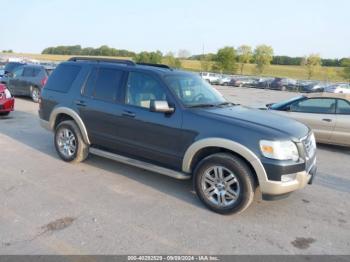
(266,120)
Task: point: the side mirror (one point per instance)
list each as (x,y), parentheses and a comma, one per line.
(161,107)
(287,108)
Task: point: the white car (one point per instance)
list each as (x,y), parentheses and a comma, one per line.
(211,78)
(338,88)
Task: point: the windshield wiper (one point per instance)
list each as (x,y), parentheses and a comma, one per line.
(202,105)
(225,104)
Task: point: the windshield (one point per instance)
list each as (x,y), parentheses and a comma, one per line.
(193,91)
(286,102)
(10,67)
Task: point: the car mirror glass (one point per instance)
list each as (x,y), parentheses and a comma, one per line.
(161,106)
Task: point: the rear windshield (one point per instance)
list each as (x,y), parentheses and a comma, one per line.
(63,77)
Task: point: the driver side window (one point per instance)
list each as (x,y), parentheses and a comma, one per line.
(141,89)
(18,72)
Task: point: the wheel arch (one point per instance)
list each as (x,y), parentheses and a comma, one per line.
(64,112)
(211,145)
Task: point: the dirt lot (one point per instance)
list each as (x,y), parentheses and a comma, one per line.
(103,207)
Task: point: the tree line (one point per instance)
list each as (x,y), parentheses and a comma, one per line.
(227,60)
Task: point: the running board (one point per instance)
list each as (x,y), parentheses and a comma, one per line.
(140,164)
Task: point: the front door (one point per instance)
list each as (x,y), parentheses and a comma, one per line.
(15,82)
(146,135)
(318,113)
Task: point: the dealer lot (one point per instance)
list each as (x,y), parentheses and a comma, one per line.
(102,207)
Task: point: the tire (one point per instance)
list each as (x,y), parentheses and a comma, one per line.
(4,113)
(35,94)
(242,183)
(69,142)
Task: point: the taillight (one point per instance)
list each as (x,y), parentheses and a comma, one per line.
(43,81)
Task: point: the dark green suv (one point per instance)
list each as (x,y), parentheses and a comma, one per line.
(174,123)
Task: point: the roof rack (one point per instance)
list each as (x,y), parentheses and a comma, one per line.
(156,65)
(108,60)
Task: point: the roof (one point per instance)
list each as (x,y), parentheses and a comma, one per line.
(329,95)
(158,68)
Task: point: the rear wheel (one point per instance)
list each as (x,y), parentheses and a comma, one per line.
(224,183)
(69,142)
(35,94)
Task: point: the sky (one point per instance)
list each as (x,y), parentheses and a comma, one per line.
(291,27)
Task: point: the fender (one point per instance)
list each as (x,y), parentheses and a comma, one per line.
(227,144)
(72,114)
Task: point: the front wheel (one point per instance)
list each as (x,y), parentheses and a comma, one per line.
(4,113)
(224,183)
(69,142)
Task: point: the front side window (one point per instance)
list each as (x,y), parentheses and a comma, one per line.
(107,83)
(193,91)
(343,107)
(141,89)
(315,105)
(18,72)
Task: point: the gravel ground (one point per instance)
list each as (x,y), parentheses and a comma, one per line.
(102,207)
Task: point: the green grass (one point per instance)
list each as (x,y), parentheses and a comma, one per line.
(296,72)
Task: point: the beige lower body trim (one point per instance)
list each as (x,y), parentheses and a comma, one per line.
(279,188)
(45,124)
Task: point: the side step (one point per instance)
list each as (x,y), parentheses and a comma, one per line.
(140,164)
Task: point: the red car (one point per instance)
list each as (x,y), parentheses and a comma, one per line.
(7,102)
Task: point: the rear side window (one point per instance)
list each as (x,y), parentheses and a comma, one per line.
(28,71)
(343,107)
(106,83)
(62,78)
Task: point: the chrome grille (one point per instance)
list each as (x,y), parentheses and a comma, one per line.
(309,145)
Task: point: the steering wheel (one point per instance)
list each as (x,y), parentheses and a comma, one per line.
(198,97)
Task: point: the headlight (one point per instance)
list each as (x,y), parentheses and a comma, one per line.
(7,93)
(280,150)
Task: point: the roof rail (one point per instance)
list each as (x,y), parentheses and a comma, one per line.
(108,60)
(156,65)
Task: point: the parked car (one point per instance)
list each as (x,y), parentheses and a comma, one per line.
(262,83)
(7,102)
(341,88)
(310,86)
(174,123)
(237,82)
(327,114)
(224,80)
(211,78)
(28,80)
(283,84)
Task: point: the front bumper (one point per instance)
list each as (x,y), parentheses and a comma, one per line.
(8,105)
(270,187)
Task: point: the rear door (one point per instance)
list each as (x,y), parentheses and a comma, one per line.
(98,105)
(341,134)
(318,113)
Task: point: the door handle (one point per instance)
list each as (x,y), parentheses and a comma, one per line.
(80,103)
(128,114)
(327,120)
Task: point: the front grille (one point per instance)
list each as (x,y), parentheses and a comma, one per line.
(309,145)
